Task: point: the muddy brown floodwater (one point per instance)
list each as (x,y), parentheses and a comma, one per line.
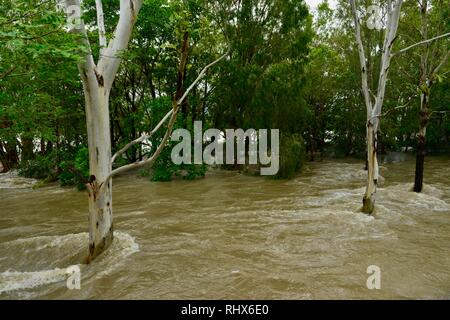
(230,236)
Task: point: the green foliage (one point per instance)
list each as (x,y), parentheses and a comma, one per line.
(164,169)
(59,165)
(74,171)
(195,171)
(40,92)
(41,167)
(292,156)
(284,70)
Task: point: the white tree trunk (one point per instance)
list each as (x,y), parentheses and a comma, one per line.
(99,141)
(373,108)
(97,82)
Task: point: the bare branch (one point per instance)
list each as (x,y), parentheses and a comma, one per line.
(110,61)
(439,112)
(143,137)
(441,64)
(101,26)
(396,108)
(200,76)
(406,105)
(420,43)
(150,160)
(362,58)
(146,136)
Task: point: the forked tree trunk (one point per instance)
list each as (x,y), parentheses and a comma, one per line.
(97,82)
(374,106)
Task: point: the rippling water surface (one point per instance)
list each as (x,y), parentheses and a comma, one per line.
(231,236)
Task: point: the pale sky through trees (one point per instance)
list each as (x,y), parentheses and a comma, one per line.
(313,3)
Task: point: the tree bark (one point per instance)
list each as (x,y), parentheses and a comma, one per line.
(97,83)
(374,107)
(99,142)
(421,143)
(372,170)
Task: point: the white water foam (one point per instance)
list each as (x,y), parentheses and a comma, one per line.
(12,280)
(15,280)
(12,180)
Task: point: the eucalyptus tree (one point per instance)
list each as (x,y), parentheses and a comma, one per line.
(97,79)
(433,58)
(374,101)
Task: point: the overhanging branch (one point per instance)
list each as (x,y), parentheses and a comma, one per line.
(420,43)
(146,136)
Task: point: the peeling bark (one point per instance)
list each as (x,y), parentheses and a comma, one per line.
(100,219)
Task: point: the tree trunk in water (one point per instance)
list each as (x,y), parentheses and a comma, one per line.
(372,170)
(420,159)
(97,82)
(421,144)
(100,198)
(375,106)
(425,85)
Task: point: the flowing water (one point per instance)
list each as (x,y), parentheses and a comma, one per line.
(230,236)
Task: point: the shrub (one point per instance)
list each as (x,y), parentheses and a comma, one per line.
(41,167)
(292,156)
(164,169)
(68,167)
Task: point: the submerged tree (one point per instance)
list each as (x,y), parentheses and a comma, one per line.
(432,60)
(97,82)
(374,102)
